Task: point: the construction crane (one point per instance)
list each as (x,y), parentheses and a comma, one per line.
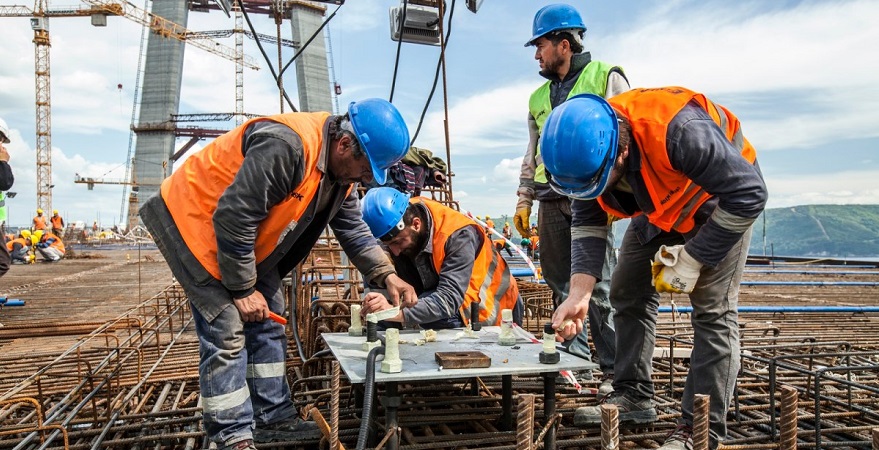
(98,11)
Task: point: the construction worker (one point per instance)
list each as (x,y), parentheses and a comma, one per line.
(49,245)
(680,165)
(276,182)
(489,225)
(507,231)
(39,222)
(6,180)
(557,35)
(19,248)
(57,223)
(432,247)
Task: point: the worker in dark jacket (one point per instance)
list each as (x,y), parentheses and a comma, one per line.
(681,167)
(6,180)
(236,217)
(446,256)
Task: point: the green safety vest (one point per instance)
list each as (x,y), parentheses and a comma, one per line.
(3,213)
(592,80)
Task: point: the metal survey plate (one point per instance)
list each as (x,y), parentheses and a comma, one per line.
(419,364)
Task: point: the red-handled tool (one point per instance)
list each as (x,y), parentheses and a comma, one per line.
(277,318)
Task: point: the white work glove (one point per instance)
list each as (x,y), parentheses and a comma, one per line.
(674,270)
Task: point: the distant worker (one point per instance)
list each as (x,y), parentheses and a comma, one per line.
(57,223)
(95,227)
(489,225)
(507,231)
(557,35)
(276,183)
(6,180)
(502,244)
(49,245)
(681,167)
(432,247)
(39,222)
(19,248)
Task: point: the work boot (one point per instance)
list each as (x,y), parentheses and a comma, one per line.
(606,386)
(635,412)
(293,429)
(680,439)
(246,444)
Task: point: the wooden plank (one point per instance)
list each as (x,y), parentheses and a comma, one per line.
(462,360)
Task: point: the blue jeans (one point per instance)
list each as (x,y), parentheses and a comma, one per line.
(554,226)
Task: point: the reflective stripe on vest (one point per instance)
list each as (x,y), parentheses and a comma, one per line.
(192,191)
(592,80)
(675,197)
(490,283)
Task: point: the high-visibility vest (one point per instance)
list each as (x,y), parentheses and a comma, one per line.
(57,243)
(22,241)
(675,197)
(592,80)
(39,222)
(57,222)
(490,283)
(192,191)
(3,209)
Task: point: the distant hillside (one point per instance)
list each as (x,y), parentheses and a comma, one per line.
(819,230)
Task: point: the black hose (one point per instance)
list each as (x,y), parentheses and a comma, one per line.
(264,55)
(368,394)
(397,59)
(439,64)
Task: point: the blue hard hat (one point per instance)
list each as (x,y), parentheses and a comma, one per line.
(381,132)
(553,18)
(383,209)
(579,146)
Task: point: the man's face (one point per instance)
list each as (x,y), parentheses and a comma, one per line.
(346,167)
(406,241)
(549,56)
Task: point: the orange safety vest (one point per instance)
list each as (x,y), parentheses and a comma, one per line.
(490,283)
(57,222)
(191,192)
(39,223)
(675,197)
(56,244)
(11,244)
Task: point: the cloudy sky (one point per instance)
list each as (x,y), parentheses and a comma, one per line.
(801,76)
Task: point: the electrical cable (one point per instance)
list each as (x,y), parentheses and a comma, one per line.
(264,55)
(397,59)
(436,76)
(304,46)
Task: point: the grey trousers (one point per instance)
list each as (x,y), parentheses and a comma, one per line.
(554,228)
(715,359)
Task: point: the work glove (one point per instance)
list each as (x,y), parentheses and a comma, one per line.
(522,220)
(674,270)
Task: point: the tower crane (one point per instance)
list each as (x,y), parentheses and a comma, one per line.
(98,10)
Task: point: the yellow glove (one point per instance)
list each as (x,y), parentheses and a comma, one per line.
(674,270)
(522,220)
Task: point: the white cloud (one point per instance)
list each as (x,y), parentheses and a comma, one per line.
(859,187)
(507,171)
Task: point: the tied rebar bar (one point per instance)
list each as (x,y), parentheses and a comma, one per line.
(788,420)
(701,404)
(525,422)
(610,427)
(334,407)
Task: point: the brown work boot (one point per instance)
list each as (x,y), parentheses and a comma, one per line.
(638,412)
(680,439)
